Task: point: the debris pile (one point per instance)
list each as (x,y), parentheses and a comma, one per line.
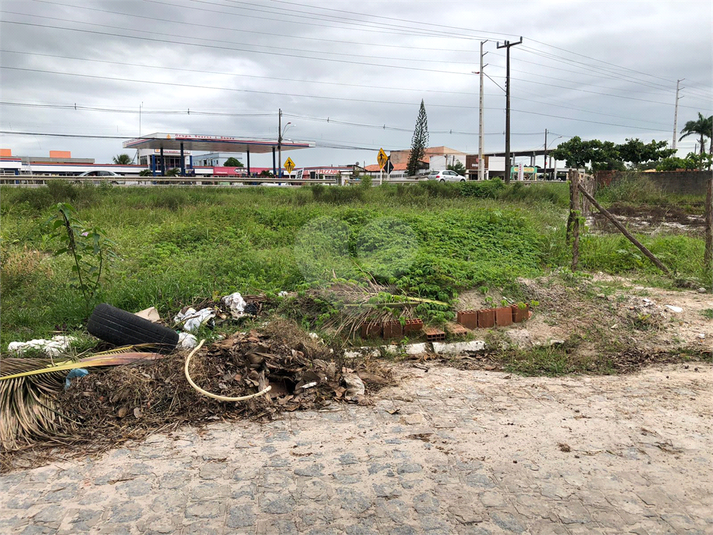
(112,405)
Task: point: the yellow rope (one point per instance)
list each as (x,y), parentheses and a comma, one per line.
(209,394)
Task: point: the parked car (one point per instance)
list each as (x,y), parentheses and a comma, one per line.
(445,176)
(109,176)
(100,173)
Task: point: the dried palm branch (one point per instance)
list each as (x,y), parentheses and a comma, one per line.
(367,303)
(29,387)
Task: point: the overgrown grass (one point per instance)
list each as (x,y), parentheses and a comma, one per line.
(177,246)
(636,189)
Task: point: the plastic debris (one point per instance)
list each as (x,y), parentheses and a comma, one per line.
(187,341)
(52,347)
(192,319)
(236,304)
(355,386)
(283,293)
(674,308)
(76,372)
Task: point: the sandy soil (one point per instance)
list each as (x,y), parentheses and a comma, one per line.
(613,308)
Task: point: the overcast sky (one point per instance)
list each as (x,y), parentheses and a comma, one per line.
(348,75)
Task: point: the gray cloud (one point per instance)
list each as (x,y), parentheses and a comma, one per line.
(597,70)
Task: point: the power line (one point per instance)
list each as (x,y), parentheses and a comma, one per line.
(359,24)
(218,47)
(595,92)
(602,61)
(179,69)
(330,120)
(213,27)
(153,32)
(231,89)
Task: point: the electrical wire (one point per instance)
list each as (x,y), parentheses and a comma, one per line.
(214,27)
(232,49)
(291,49)
(241,75)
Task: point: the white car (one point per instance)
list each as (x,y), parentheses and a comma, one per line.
(107,176)
(445,176)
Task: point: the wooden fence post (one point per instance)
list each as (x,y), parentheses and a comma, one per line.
(574,214)
(708,255)
(625,232)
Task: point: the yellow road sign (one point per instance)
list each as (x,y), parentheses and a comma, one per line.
(289,165)
(382,158)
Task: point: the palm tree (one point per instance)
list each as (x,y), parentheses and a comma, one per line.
(122,159)
(703,127)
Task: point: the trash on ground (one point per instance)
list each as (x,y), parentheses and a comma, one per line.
(355,386)
(150,314)
(236,304)
(52,348)
(76,372)
(301,373)
(123,328)
(191,320)
(674,308)
(187,341)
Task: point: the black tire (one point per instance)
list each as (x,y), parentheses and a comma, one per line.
(122,328)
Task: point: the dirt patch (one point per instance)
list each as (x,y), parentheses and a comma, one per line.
(648,220)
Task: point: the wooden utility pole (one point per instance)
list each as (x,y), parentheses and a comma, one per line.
(506,45)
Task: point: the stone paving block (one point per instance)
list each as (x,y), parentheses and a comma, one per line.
(509,521)
(378,476)
(276,503)
(240,516)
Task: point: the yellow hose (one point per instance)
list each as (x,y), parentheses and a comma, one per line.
(209,394)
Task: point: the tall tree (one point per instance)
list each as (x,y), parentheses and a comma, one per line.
(233,162)
(703,128)
(637,152)
(122,159)
(419,141)
(575,152)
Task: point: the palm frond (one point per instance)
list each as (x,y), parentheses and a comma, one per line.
(29,388)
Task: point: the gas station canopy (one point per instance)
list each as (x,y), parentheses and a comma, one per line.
(212,143)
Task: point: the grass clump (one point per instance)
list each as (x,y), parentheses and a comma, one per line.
(637,189)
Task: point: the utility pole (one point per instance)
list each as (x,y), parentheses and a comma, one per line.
(279,142)
(506,45)
(481,164)
(545,170)
(675,113)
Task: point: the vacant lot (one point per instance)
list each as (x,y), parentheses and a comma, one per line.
(181,246)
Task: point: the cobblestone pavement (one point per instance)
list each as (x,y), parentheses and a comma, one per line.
(445,452)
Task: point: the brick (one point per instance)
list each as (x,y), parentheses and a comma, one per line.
(435,335)
(392,329)
(486,318)
(467,318)
(503,316)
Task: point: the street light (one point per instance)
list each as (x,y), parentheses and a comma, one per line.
(280,132)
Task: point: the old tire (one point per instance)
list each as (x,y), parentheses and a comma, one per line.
(122,328)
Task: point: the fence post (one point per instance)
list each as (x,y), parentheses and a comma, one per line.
(708,255)
(575,213)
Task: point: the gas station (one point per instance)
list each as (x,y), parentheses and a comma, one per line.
(195,142)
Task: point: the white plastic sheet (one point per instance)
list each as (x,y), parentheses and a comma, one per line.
(191,320)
